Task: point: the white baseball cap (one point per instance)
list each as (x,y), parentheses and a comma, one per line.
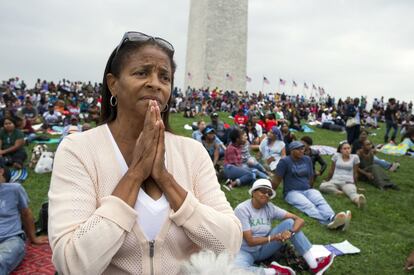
(262,183)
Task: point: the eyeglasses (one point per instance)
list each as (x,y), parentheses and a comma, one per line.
(265,191)
(142,37)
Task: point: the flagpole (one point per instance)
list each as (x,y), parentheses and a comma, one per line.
(263,86)
(278,86)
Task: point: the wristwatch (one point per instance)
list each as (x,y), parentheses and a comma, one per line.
(292,233)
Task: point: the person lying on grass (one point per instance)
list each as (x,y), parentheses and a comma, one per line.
(296,171)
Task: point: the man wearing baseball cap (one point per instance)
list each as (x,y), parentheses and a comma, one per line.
(296,171)
(261,241)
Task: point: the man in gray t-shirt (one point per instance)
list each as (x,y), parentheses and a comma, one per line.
(261,240)
(14,211)
(259,221)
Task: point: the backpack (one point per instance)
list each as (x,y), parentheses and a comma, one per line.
(41,224)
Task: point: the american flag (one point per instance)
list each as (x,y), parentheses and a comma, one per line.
(208,77)
(313,86)
(265,80)
(189,75)
(305,85)
(282,81)
(229,77)
(248,79)
(294,83)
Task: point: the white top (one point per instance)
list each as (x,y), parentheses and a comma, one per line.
(344,170)
(274,150)
(151,213)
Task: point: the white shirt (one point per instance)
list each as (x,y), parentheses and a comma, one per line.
(151,213)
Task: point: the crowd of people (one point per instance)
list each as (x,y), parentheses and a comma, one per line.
(259,150)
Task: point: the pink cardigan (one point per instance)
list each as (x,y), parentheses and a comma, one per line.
(93,232)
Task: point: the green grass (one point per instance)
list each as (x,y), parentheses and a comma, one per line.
(384,231)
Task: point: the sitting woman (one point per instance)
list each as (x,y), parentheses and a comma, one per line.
(248,160)
(198,133)
(272,148)
(234,170)
(314,155)
(212,144)
(261,241)
(343,174)
(287,135)
(294,120)
(12,144)
(371,172)
(252,136)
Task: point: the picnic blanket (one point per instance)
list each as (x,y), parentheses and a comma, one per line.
(324,149)
(18,175)
(38,260)
(398,150)
(306,129)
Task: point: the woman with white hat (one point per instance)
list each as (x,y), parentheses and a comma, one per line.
(261,241)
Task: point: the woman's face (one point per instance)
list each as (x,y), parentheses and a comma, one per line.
(298,153)
(271,135)
(262,196)
(211,136)
(145,75)
(8,125)
(363,136)
(244,138)
(202,126)
(346,149)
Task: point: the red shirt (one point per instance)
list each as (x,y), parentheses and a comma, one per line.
(269,124)
(240,119)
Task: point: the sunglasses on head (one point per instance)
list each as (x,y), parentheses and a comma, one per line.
(142,37)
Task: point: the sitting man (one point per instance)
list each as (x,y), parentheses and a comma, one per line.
(51,117)
(296,170)
(14,211)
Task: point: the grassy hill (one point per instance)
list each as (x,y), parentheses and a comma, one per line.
(384,230)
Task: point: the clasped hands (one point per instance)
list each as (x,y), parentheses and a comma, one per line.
(282,236)
(149,149)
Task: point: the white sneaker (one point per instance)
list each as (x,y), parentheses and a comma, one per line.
(338,221)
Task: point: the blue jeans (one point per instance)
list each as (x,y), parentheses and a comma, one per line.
(244,175)
(390,124)
(12,252)
(312,203)
(245,259)
(383,163)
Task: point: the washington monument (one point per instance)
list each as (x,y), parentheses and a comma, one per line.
(217,44)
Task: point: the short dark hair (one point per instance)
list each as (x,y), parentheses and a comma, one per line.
(307,139)
(6,171)
(234,134)
(114,65)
